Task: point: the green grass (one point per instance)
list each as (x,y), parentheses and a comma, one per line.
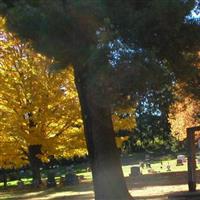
(27,181)
(156,166)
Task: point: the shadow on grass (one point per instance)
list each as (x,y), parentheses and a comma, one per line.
(83,187)
(152,197)
(75,197)
(184,195)
(64,192)
(64,197)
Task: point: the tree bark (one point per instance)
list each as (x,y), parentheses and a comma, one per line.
(108,180)
(4,173)
(35,163)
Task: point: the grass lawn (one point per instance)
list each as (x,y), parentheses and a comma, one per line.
(84,191)
(156,166)
(27,181)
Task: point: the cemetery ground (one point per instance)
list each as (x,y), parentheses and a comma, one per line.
(157,182)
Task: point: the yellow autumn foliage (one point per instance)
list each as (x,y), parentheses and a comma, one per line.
(184,114)
(41,107)
(123,119)
(36,105)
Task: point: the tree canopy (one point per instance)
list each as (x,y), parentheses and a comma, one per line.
(37,107)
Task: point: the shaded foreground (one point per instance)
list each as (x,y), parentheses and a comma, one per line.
(150,187)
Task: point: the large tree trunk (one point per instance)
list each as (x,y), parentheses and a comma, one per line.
(3,172)
(35,163)
(108,180)
(4,179)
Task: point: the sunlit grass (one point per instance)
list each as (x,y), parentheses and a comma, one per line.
(158,168)
(155,166)
(26,181)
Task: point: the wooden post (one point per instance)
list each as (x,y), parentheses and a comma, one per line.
(191,157)
(191,160)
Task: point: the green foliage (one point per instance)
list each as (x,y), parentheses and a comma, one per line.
(62,29)
(155,24)
(67,30)
(162,27)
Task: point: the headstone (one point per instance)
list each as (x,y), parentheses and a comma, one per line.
(35,183)
(20,184)
(71,179)
(180,160)
(168,167)
(135,171)
(61,181)
(51,182)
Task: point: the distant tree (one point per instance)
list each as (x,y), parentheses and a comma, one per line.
(184,113)
(40,111)
(152,118)
(170,31)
